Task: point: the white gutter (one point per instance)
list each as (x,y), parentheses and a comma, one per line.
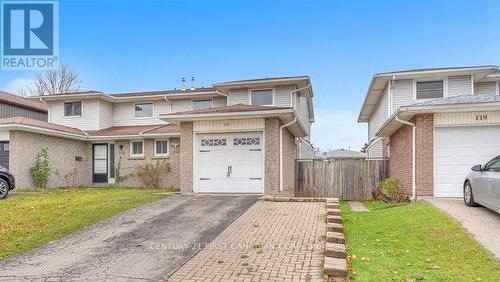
(281,150)
(413,157)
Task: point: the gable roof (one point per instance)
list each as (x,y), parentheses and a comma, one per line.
(460,99)
(164,92)
(40,124)
(135,130)
(43,127)
(22,102)
(379,82)
(228,109)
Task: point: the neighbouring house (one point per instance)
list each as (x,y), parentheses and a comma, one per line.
(433,125)
(234,137)
(343,154)
(15,106)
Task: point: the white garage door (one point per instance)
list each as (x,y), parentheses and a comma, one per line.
(456,150)
(229,163)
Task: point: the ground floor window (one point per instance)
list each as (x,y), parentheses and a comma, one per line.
(136,148)
(4,154)
(161,147)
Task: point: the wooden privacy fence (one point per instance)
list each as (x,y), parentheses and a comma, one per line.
(347,179)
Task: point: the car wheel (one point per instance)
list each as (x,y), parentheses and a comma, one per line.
(4,189)
(469,196)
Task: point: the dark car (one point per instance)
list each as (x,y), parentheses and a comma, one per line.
(7,182)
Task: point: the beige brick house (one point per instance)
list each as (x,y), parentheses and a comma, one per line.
(234,137)
(433,125)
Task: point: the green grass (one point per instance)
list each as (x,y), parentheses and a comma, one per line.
(31,220)
(413,242)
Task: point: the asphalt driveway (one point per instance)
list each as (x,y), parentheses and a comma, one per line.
(147,243)
(481,222)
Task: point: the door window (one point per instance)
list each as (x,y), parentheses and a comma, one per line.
(213,142)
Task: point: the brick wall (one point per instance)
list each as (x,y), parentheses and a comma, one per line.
(186,158)
(128,165)
(425,154)
(24,146)
(400,163)
(272,173)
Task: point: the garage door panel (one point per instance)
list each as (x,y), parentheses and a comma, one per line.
(233,166)
(457,149)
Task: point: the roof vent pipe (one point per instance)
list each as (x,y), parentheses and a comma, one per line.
(192,83)
(183,84)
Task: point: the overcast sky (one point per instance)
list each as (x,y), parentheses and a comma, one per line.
(120,46)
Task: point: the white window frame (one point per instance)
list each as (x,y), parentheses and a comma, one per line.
(168,147)
(273,96)
(445,88)
(73,116)
(132,148)
(211,100)
(143,103)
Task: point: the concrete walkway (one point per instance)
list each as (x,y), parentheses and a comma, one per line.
(272,241)
(147,243)
(481,222)
(357,206)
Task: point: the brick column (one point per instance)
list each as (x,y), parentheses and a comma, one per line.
(425,154)
(186,158)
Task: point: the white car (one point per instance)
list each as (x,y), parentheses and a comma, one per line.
(482,185)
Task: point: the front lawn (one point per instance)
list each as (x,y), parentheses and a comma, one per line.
(413,242)
(29,221)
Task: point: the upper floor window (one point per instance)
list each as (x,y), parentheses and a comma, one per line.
(262,97)
(429,89)
(144,110)
(202,104)
(72,109)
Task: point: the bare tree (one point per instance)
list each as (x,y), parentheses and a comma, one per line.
(58,81)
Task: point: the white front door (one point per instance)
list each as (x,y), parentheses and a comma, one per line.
(229,163)
(456,150)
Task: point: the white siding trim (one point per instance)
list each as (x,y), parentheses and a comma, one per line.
(498,88)
(472,85)
(445,87)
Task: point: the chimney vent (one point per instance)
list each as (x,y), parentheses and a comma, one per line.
(192,83)
(183,84)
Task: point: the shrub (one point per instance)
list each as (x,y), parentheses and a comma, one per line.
(389,192)
(150,173)
(40,171)
(71,176)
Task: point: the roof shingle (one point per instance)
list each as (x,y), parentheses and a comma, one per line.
(22,102)
(41,124)
(460,99)
(230,109)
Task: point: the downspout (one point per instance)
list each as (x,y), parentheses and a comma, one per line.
(413,157)
(168,101)
(281,150)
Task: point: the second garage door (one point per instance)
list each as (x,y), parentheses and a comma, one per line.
(229,163)
(456,150)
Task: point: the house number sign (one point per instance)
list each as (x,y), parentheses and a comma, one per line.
(481,117)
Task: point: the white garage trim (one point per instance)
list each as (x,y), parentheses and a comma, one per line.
(229,143)
(455,153)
